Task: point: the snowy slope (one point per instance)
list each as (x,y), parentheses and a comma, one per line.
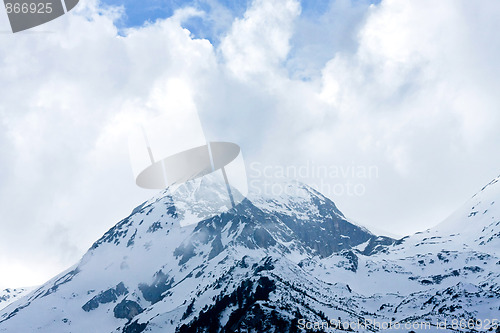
(477,223)
(9,295)
(449,272)
(267,265)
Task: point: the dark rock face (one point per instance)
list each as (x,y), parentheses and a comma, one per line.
(127,309)
(153,292)
(62,280)
(330,235)
(352,258)
(322,233)
(437,279)
(135,327)
(379,244)
(328,231)
(108,296)
(131,240)
(247,306)
(155,226)
(217,247)
(263,238)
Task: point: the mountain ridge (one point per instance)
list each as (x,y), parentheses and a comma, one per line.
(263,265)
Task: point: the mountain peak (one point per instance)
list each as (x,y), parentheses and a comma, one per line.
(300,219)
(262,265)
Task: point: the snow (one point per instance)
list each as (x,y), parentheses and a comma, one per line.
(168,246)
(9,295)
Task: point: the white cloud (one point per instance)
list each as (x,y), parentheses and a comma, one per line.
(423,96)
(259,42)
(410,90)
(68,100)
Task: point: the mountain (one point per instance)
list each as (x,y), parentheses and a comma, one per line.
(476,225)
(9,295)
(283,263)
(450,272)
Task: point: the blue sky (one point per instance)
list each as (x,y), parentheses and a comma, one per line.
(139,12)
(322,29)
(212,26)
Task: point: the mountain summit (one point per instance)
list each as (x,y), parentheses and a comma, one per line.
(269,264)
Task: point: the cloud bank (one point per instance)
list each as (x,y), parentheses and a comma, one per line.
(407,87)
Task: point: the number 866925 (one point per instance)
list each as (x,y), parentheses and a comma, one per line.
(31,8)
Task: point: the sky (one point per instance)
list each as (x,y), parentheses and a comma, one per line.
(389,108)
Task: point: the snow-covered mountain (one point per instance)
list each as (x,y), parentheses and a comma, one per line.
(9,295)
(287,263)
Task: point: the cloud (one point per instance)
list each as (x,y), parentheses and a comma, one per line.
(259,42)
(419,94)
(69,98)
(409,90)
